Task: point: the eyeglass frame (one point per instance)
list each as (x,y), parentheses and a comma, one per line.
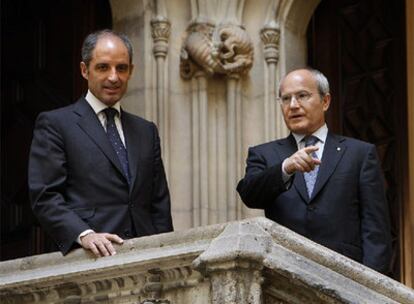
(298,99)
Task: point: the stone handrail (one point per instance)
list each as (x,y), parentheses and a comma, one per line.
(250,261)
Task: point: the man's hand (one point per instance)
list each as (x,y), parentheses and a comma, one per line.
(100,243)
(301,161)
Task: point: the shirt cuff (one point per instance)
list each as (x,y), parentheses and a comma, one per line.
(287,178)
(87,231)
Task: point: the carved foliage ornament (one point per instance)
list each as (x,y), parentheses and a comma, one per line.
(160,31)
(223,49)
(270,37)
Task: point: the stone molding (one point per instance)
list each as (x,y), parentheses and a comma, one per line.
(251,261)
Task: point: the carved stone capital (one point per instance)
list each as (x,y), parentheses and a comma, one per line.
(160,31)
(270,36)
(224,49)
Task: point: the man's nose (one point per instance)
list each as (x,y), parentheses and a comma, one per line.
(113,75)
(294,103)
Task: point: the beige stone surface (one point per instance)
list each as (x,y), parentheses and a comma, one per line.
(251,261)
(208,121)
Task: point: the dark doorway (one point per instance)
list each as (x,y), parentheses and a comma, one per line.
(360,46)
(40,55)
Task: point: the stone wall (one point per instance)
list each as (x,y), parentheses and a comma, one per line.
(253,261)
(206,73)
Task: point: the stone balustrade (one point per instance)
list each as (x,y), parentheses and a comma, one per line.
(250,261)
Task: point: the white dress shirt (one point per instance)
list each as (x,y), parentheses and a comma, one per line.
(98,106)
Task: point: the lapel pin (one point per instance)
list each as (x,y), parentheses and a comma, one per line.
(338,149)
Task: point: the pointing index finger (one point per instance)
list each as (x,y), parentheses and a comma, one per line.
(310,149)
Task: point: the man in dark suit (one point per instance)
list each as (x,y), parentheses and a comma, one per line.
(95,171)
(326,187)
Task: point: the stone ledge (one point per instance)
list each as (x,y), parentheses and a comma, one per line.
(250,261)
(150,249)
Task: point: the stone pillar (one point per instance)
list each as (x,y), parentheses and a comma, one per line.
(233,145)
(234,263)
(273,118)
(160,29)
(199,119)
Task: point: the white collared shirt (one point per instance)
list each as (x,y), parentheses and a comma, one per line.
(98,106)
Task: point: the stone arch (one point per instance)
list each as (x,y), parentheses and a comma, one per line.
(295,16)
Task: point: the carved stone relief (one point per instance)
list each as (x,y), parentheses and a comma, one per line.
(223,49)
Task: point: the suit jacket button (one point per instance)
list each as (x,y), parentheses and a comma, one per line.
(127,233)
(311,208)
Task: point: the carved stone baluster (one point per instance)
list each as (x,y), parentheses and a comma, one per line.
(153,288)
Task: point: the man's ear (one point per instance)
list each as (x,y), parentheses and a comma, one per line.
(84,70)
(326,101)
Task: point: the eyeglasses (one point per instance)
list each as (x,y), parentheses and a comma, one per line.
(300,97)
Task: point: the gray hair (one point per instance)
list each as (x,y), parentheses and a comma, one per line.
(90,41)
(321,81)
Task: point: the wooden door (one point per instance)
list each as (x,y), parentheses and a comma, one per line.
(360,46)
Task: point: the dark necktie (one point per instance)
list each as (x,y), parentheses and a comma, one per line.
(116,141)
(310,177)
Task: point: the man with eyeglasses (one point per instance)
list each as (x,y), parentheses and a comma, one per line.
(324,186)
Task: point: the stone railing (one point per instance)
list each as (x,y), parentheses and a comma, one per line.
(250,261)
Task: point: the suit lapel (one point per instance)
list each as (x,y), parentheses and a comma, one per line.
(333,151)
(133,144)
(90,124)
(286,148)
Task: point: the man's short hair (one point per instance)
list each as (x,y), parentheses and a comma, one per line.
(321,80)
(90,41)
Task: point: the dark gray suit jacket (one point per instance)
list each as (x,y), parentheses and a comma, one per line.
(76,181)
(347,211)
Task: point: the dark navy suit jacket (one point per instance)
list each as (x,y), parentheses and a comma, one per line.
(347,211)
(76,181)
